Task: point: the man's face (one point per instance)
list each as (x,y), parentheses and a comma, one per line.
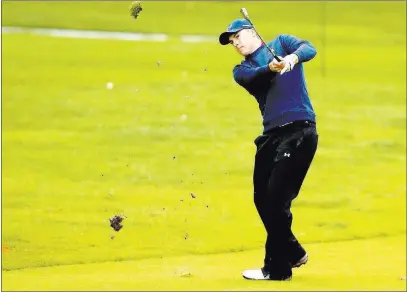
(244,41)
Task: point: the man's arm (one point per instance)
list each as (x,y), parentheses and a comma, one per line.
(297,50)
(244,75)
(303,49)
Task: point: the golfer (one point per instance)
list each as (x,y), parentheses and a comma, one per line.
(288,143)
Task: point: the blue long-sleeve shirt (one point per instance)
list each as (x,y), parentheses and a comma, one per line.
(282,98)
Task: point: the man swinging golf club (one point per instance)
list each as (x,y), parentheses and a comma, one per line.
(288,143)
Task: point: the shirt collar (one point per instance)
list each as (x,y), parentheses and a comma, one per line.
(255,53)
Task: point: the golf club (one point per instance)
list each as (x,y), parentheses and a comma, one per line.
(246,16)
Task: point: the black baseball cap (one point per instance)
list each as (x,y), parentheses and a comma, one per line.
(234,27)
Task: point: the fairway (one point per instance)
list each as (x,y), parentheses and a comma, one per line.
(352,265)
(170,146)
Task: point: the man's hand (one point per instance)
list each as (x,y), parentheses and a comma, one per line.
(287,64)
(276,66)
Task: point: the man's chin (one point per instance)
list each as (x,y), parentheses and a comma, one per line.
(243,53)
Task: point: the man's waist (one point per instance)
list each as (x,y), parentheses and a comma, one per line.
(305,123)
(299,118)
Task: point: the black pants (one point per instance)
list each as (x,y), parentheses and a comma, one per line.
(282,160)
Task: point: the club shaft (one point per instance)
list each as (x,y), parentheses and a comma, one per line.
(246,16)
(270,50)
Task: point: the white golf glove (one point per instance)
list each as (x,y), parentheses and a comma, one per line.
(285,65)
(289,63)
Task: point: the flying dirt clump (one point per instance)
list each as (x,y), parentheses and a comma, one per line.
(135,9)
(115,222)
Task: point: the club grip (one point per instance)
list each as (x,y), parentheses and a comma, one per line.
(277,58)
(274,55)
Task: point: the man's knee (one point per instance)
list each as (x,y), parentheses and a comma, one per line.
(281,210)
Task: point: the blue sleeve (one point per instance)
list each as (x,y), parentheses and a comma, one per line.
(243,75)
(294,45)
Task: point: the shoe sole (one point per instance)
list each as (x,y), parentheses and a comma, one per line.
(251,279)
(301,262)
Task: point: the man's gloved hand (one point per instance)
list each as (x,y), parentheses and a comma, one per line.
(289,63)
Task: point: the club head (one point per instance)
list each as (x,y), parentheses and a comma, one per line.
(243,11)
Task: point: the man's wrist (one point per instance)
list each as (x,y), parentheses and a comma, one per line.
(296,58)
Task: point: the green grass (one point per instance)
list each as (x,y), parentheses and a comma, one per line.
(75,153)
(351,266)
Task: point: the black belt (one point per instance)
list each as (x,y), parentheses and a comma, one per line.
(298,123)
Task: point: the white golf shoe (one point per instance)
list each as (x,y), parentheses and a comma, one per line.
(260,274)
